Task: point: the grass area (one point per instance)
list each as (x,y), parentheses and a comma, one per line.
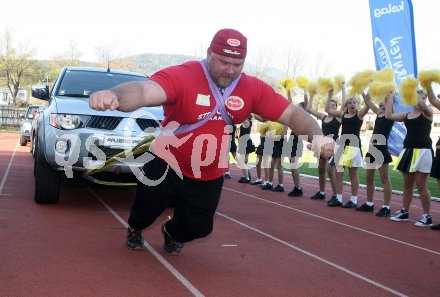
(309,167)
(10,129)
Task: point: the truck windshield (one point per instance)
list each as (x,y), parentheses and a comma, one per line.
(81,84)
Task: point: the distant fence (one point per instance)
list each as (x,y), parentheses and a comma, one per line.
(11,116)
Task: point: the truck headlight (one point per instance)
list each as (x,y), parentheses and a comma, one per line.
(66,121)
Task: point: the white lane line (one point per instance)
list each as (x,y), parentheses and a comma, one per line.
(5,177)
(161,259)
(314,256)
(336,222)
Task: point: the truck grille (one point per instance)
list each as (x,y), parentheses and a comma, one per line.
(104,123)
(147,123)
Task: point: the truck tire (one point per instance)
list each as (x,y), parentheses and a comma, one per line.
(23,141)
(47,181)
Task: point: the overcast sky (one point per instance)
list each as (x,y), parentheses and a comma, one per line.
(339,31)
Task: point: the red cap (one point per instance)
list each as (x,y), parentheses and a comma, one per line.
(229,43)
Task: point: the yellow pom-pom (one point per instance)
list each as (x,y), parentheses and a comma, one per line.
(324,85)
(380,89)
(360,81)
(338,81)
(386,74)
(275,128)
(408,91)
(263,128)
(301,81)
(287,83)
(426,77)
(311,88)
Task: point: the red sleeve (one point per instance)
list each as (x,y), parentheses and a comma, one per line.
(268,103)
(168,80)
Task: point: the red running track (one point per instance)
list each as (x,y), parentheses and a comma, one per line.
(263,244)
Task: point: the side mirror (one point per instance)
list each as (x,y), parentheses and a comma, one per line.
(40,92)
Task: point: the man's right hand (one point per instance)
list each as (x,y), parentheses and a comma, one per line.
(103,100)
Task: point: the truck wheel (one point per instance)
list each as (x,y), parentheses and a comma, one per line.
(47,181)
(23,141)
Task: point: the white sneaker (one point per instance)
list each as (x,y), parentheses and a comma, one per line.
(425,221)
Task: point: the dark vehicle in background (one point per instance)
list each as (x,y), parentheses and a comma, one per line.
(71,138)
(33,128)
(26,124)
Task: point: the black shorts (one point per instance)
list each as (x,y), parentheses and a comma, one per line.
(233,146)
(260,148)
(277,148)
(374,158)
(293,147)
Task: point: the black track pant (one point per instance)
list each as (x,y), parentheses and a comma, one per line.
(195,202)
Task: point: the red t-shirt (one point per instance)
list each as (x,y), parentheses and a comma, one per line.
(202,153)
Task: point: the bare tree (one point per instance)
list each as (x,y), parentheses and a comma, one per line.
(73,54)
(16,65)
(261,63)
(319,67)
(293,61)
(111,57)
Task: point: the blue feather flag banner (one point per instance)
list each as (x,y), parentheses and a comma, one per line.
(392,26)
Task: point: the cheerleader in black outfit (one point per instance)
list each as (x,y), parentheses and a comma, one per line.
(378,158)
(415,160)
(435,170)
(349,154)
(330,127)
(245,147)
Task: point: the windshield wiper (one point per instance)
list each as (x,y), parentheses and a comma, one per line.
(75,95)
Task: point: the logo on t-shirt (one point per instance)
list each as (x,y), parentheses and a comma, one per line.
(203,100)
(234,103)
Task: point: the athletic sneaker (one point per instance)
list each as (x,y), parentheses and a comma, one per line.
(365,208)
(425,221)
(227,175)
(134,239)
(349,204)
(257,182)
(244,180)
(318,196)
(334,202)
(332,198)
(383,212)
(278,188)
(266,187)
(296,192)
(170,247)
(401,215)
(435,227)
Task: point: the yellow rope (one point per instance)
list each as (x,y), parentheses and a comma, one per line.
(140,148)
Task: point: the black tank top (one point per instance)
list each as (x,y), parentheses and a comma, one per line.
(418,132)
(382,126)
(245,131)
(351,126)
(332,127)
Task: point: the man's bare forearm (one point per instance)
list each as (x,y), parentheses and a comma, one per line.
(300,122)
(130,95)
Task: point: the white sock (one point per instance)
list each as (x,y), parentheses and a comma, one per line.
(281,185)
(339,197)
(322,193)
(386,206)
(354,199)
(369,203)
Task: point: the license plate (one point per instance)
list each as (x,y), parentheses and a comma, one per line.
(121,141)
